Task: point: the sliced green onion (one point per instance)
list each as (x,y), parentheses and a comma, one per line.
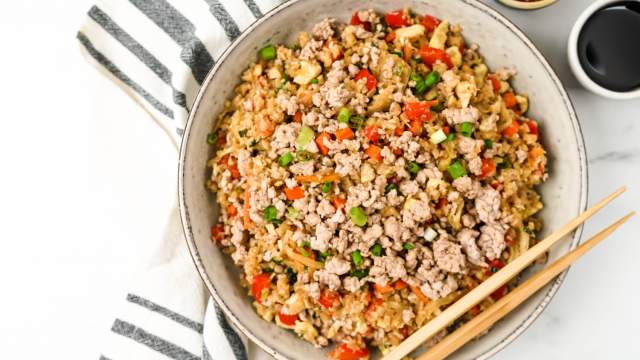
(285,159)
(356,122)
(421,87)
(438,107)
(303,155)
(305,136)
(360,273)
(243,133)
(326,187)
(211,138)
(376,250)
(398,53)
(450,137)
(357,258)
(466,129)
(488,144)
(270,213)
(358,216)
(438,137)
(414,167)
(505,164)
(408,246)
(292,276)
(390,188)
(415,77)
(456,169)
(267,269)
(417,58)
(314,81)
(322,256)
(344,115)
(432,78)
(292,213)
(268,52)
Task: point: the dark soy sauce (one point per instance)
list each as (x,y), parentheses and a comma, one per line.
(609,46)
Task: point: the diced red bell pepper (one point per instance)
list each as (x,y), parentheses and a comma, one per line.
(328,298)
(233,168)
(430,55)
(217,232)
(495,83)
(396,19)
(533,127)
(442,203)
(338,202)
(355,20)
(287,319)
(398,131)
(419,110)
(498,294)
(512,129)
(430,23)
(415,126)
(496,263)
(259,283)
(232,210)
(509,100)
(372,82)
(488,168)
(371,133)
(344,352)
(298,117)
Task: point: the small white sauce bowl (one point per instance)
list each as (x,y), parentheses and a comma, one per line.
(574,62)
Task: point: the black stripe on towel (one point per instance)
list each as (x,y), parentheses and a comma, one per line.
(113,69)
(182,31)
(232,336)
(150,305)
(102,357)
(255,10)
(205,353)
(138,50)
(220,13)
(152,341)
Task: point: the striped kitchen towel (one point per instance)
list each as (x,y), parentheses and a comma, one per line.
(159,52)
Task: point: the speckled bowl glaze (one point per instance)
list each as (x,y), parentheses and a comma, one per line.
(501,43)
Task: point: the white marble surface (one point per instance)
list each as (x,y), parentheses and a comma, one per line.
(88,181)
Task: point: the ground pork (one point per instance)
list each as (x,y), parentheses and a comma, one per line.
(392,228)
(467,186)
(351,283)
(372,234)
(491,240)
(505,73)
(302,168)
(337,266)
(435,284)
(487,204)
(467,238)
(325,209)
(323,235)
(313,290)
(458,116)
(347,163)
(448,255)
(324,277)
(323,30)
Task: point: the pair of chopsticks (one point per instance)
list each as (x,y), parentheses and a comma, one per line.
(496,311)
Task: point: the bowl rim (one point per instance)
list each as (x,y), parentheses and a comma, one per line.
(184,211)
(574,61)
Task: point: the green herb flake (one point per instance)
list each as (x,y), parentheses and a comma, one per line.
(243,133)
(376,250)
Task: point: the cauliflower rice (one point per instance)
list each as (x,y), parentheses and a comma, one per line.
(370,175)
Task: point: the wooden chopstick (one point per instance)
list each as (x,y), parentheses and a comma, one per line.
(487,287)
(514,298)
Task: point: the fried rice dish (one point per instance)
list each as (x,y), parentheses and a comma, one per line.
(371,174)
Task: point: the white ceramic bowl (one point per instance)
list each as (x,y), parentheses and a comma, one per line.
(501,43)
(574,62)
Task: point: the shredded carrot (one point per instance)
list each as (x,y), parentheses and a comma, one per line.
(511,129)
(399,284)
(317,178)
(415,126)
(231,210)
(298,117)
(495,83)
(407,51)
(294,193)
(320,142)
(509,100)
(382,289)
(374,152)
(416,290)
(245,210)
(391,36)
(398,131)
(345,134)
